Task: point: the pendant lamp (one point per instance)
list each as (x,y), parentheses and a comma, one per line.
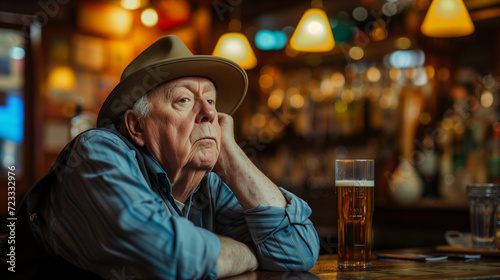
(235,46)
(313,33)
(447,18)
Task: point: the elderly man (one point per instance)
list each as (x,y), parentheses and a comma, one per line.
(161,190)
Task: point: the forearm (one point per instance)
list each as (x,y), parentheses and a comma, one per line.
(247,182)
(285,238)
(282,238)
(235,258)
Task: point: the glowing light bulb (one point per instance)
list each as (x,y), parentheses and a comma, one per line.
(315,28)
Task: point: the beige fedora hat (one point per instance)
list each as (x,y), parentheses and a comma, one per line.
(168,59)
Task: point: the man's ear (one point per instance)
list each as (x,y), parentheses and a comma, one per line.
(134,128)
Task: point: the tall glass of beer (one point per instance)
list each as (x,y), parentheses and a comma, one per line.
(354,188)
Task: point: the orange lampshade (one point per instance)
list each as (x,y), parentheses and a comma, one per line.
(313,33)
(447,18)
(235,46)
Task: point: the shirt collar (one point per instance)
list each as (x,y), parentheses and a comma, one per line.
(162,181)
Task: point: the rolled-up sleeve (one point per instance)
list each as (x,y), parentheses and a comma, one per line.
(284,238)
(105,218)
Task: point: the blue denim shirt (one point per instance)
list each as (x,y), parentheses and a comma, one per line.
(105,215)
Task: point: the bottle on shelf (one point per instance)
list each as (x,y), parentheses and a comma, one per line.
(494,158)
(82,120)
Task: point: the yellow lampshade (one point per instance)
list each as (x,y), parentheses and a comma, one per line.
(235,46)
(447,18)
(313,33)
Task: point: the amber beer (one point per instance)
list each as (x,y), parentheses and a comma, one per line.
(354,185)
(355,210)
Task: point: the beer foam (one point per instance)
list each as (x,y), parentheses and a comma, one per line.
(355,183)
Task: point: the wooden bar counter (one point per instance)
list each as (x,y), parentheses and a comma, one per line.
(487,267)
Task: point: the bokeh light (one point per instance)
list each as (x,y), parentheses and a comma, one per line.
(338,79)
(356,53)
(407,58)
(443,74)
(16,53)
(342,26)
(379,33)
(402,43)
(360,13)
(487,99)
(266,81)
(395,74)
(420,77)
(130,4)
(275,99)
(149,17)
(430,71)
(327,87)
(347,95)
(389,9)
(424,118)
(340,106)
(270,40)
(297,101)
(373,74)
(258,120)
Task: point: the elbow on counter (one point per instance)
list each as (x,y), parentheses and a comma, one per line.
(296,259)
(309,260)
(305,265)
(309,253)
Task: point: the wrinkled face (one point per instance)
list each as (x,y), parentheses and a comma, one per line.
(182,130)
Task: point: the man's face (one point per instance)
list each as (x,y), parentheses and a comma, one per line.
(182,129)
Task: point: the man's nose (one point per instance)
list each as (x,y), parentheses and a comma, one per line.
(207,111)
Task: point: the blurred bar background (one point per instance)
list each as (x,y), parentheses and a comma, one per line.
(425,108)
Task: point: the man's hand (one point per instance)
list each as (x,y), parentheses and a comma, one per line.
(250,186)
(227,127)
(235,258)
(227,140)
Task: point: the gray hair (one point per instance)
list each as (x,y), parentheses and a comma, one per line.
(142,107)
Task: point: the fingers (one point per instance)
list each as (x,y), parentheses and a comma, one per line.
(225,120)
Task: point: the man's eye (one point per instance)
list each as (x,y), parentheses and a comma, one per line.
(211,101)
(184,100)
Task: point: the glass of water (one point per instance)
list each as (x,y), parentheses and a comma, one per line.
(483,211)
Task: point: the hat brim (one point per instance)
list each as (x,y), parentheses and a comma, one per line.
(230,80)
